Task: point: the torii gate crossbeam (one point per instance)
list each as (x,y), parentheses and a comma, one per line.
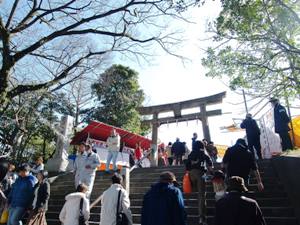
(178,117)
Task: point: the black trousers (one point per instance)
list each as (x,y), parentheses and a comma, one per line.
(254,142)
(286,142)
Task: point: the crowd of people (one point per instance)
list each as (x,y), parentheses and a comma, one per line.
(177,153)
(25,191)
(163,203)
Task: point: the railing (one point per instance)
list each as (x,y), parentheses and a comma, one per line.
(139,161)
(126,174)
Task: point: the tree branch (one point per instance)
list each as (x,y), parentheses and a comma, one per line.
(12,12)
(63,31)
(25,88)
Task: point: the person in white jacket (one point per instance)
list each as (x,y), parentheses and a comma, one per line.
(69,214)
(109,201)
(39,166)
(113,146)
(89,165)
(79,161)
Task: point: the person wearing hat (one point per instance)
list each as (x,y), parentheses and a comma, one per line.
(236,209)
(163,204)
(239,161)
(281,121)
(21,195)
(253,134)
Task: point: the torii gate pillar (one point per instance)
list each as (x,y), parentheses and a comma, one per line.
(154,147)
(204,121)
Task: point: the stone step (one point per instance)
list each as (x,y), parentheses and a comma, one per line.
(146,180)
(179,175)
(209,195)
(267,211)
(139,181)
(98,190)
(273,220)
(263,202)
(95,218)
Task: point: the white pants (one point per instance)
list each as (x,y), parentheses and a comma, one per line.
(112,155)
(87,179)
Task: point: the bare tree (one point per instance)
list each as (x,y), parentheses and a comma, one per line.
(48,44)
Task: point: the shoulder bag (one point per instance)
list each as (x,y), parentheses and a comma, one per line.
(121,217)
(81,220)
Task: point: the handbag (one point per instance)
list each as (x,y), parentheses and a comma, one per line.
(37,218)
(81,220)
(4,216)
(121,217)
(187,186)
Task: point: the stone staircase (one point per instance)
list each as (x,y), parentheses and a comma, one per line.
(65,185)
(273,201)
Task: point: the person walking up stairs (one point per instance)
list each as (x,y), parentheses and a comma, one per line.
(273,201)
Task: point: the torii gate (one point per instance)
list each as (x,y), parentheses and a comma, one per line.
(178,117)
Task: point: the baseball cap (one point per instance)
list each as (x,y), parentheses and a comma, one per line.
(273,99)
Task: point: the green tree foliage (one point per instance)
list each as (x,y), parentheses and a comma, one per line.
(119,95)
(258,46)
(27,127)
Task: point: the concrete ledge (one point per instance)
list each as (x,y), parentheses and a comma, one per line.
(287,168)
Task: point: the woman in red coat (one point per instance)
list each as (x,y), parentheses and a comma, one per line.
(138,153)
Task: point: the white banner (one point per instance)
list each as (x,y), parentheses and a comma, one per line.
(100,147)
(270,141)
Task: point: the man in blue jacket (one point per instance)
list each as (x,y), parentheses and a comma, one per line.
(21,195)
(281,120)
(163,204)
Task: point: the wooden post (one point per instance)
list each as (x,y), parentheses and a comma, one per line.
(204,121)
(154,153)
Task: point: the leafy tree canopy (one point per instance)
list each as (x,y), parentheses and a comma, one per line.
(28,125)
(258,46)
(119,95)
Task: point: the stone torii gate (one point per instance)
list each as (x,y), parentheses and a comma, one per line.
(178,117)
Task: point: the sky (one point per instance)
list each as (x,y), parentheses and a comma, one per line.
(167,79)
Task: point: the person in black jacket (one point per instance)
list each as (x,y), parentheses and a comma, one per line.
(253,134)
(239,161)
(40,201)
(281,120)
(198,163)
(178,150)
(236,209)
